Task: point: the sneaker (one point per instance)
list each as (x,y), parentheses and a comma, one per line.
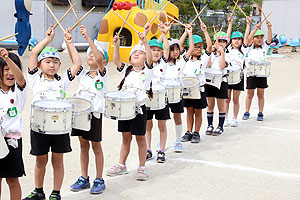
(234,123)
(218,131)
(54,196)
(209,130)
(149,155)
(178,147)
(246,116)
(161,157)
(260,117)
(141,174)
(195,138)
(34,195)
(81,184)
(226,122)
(117,170)
(187,137)
(98,186)
(157,147)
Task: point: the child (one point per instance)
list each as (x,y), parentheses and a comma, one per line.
(236,51)
(216,66)
(13,98)
(177,61)
(136,78)
(49,85)
(92,86)
(258,51)
(159,57)
(195,68)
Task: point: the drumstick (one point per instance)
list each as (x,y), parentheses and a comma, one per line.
(9,36)
(82,18)
(198,14)
(240,8)
(64,15)
(158,13)
(74,11)
(196,11)
(55,17)
(176,20)
(126,22)
(153,8)
(267,17)
(234,8)
(215,32)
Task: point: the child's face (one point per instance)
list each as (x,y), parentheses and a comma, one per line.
(198,49)
(223,43)
(236,42)
(138,58)
(258,40)
(156,53)
(8,78)
(91,60)
(50,66)
(174,53)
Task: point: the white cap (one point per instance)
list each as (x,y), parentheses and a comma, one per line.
(173,41)
(138,48)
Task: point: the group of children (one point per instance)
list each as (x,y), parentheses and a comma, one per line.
(150,62)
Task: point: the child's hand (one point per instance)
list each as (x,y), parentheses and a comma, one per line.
(188,28)
(146,28)
(3,52)
(116,40)
(248,20)
(161,27)
(269,25)
(83,32)
(220,48)
(167,26)
(50,33)
(203,27)
(230,20)
(258,26)
(68,36)
(142,37)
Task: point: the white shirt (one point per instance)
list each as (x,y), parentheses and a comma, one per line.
(236,58)
(92,88)
(173,70)
(137,81)
(8,100)
(215,65)
(258,54)
(159,70)
(43,88)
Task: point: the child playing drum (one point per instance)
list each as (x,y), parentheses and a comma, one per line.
(136,79)
(92,86)
(257,53)
(195,68)
(13,99)
(48,85)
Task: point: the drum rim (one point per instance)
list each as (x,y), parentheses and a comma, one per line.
(55,109)
(119,99)
(194,86)
(84,111)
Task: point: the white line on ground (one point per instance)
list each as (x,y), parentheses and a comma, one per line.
(276,129)
(242,168)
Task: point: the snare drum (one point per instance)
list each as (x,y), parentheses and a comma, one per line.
(3,147)
(191,88)
(120,105)
(213,79)
(81,113)
(174,90)
(51,117)
(158,101)
(259,68)
(234,77)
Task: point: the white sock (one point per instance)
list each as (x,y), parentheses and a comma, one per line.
(178,129)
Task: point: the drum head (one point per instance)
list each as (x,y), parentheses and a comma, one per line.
(189,82)
(118,95)
(79,104)
(52,104)
(158,88)
(172,83)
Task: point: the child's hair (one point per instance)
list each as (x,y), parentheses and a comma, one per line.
(172,47)
(240,48)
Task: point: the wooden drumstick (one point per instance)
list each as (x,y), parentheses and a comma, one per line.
(240,8)
(267,17)
(198,14)
(55,17)
(234,8)
(74,12)
(82,18)
(64,15)
(158,13)
(126,22)
(9,36)
(176,20)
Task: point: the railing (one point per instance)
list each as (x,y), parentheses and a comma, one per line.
(146,4)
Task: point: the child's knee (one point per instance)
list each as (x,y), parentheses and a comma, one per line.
(12,182)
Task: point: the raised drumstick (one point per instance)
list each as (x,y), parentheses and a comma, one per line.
(240,8)
(198,14)
(64,15)
(267,17)
(126,22)
(158,13)
(55,18)
(234,8)
(9,36)
(74,12)
(82,18)
(176,20)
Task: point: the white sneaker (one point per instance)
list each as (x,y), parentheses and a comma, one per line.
(178,147)
(157,147)
(226,122)
(234,123)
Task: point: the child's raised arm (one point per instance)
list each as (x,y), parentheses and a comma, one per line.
(142,37)
(247,31)
(146,31)
(182,40)
(164,28)
(207,38)
(229,29)
(251,36)
(116,55)
(189,31)
(269,25)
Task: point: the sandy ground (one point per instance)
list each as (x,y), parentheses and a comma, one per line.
(257,160)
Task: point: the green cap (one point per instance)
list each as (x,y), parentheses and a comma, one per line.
(237,34)
(259,32)
(155,43)
(222,36)
(48,52)
(197,39)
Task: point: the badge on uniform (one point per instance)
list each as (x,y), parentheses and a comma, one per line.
(62,94)
(99,85)
(12,112)
(142,76)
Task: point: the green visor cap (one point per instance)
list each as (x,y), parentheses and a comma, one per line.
(221,36)
(237,34)
(155,43)
(48,52)
(197,39)
(259,32)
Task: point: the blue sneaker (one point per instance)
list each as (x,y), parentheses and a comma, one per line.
(81,184)
(98,186)
(246,116)
(260,117)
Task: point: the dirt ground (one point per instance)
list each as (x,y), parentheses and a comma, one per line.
(257,160)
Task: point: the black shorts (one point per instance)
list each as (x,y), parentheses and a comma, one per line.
(136,126)
(177,107)
(12,165)
(163,114)
(41,143)
(212,91)
(257,82)
(239,86)
(94,134)
(196,103)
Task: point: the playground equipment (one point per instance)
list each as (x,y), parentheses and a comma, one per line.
(294,43)
(141,12)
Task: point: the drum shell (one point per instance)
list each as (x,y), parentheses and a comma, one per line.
(158,101)
(234,77)
(259,70)
(191,91)
(174,91)
(3,147)
(214,79)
